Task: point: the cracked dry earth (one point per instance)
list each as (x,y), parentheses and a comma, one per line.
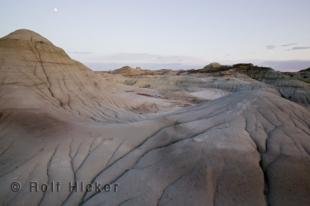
(61,123)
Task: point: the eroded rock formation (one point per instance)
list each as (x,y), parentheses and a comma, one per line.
(61,122)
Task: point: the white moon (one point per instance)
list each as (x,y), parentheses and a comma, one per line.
(55,10)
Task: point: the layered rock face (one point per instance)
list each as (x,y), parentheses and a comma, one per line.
(62,124)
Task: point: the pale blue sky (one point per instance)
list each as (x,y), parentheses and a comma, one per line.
(184,32)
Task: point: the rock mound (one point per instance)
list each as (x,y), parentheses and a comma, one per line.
(43,76)
(26,35)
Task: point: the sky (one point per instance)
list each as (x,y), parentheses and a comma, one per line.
(106,34)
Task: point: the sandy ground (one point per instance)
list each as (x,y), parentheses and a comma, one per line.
(210,94)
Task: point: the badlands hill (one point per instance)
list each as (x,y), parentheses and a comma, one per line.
(215,80)
(37,75)
(210,139)
(293,86)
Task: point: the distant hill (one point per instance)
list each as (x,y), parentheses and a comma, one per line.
(293,86)
(302,75)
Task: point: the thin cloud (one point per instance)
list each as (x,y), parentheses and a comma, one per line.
(289,44)
(270,47)
(300,48)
